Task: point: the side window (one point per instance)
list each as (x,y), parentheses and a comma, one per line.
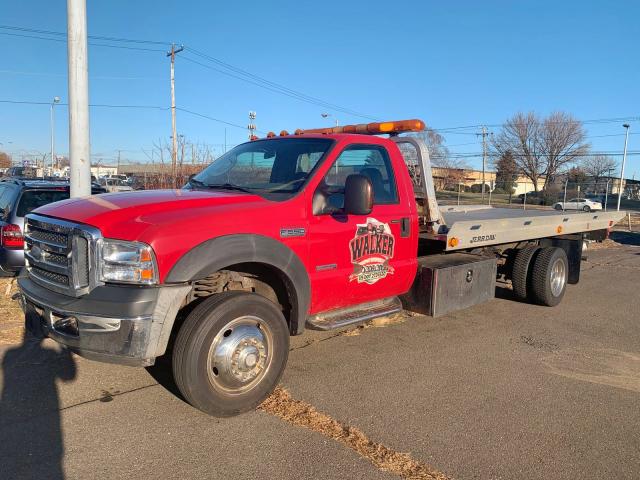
(6,195)
(306,161)
(371,161)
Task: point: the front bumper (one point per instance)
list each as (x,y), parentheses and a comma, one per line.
(128,325)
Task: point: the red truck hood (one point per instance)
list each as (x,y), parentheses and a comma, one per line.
(127,214)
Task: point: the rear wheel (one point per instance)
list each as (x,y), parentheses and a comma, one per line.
(230,353)
(586,208)
(520,271)
(558,207)
(549,276)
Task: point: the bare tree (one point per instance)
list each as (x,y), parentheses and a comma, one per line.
(541,147)
(192,158)
(438,151)
(599,166)
(450,171)
(563,143)
(521,137)
(5,160)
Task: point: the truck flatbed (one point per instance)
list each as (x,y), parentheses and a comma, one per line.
(475,226)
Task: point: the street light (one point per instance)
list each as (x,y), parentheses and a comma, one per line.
(624,159)
(326,115)
(53,150)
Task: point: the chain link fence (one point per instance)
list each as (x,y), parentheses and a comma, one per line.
(561,195)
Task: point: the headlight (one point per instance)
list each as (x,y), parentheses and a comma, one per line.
(126,262)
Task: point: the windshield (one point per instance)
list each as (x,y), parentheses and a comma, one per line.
(276,169)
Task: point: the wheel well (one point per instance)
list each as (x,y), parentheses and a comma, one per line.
(259,278)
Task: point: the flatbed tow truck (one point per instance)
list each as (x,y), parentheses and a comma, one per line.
(321,229)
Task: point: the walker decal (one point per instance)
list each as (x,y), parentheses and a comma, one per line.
(371,249)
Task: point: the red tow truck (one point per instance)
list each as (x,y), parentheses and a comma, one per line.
(320,229)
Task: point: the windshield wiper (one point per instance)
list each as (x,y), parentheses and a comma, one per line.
(197,183)
(227,186)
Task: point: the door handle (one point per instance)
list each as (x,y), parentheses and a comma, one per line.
(405,226)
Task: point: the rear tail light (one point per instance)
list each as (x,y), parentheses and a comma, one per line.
(11,236)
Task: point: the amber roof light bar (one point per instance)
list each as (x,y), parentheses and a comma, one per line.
(376,128)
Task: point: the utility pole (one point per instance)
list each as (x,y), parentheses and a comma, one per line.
(624,159)
(174,137)
(53,142)
(78,74)
(252,126)
(118,167)
(484,134)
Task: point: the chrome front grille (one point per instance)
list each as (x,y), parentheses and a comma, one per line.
(60,255)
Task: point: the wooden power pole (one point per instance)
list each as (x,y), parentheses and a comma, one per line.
(174,138)
(484,134)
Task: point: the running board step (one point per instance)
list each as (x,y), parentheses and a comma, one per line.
(342,317)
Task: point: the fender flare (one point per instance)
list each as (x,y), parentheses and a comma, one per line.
(218,253)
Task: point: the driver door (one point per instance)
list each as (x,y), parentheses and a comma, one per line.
(359,258)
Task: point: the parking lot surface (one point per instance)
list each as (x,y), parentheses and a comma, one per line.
(500,391)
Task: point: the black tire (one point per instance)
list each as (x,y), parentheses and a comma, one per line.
(520,271)
(195,374)
(542,275)
(586,208)
(558,207)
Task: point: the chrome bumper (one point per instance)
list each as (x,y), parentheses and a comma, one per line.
(134,330)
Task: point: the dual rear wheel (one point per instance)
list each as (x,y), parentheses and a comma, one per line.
(540,275)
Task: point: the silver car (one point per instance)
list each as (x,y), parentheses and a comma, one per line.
(17,198)
(583,204)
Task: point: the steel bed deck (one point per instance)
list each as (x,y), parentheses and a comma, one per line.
(476,226)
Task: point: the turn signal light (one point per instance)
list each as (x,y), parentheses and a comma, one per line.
(375,128)
(453,242)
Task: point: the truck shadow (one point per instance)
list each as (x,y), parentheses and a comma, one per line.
(505,293)
(626,238)
(162,372)
(32,444)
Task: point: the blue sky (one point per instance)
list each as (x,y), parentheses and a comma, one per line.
(467,63)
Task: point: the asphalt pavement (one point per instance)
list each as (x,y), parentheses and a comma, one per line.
(502,390)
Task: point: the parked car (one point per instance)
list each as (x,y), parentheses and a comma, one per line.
(115,185)
(583,204)
(17,198)
(29,172)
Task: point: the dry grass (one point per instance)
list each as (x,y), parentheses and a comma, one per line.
(11,317)
(282,405)
(377,323)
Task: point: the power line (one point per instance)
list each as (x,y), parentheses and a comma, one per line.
(263,82)
(499,125)
(96,37)
(150,107)
(95,44)
(234,71)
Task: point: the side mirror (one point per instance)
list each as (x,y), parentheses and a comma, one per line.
(358,195)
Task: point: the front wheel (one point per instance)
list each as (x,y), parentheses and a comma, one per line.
(230,353)
(586,208)
(558,207)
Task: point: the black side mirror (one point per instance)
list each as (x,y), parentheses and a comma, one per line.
(358,195)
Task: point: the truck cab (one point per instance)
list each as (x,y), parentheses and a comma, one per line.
(321,228)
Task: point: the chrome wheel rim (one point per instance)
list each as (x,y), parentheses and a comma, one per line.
(558,277)
(240,355)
